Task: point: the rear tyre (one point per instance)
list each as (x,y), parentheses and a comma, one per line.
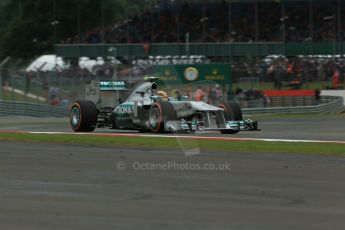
(232,112)
(83,116)
(159,113)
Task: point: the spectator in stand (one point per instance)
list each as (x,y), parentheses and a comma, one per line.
(335,80)
(177,94)
(219,94)
(189,91)
(199,94)
(220,22)
(211,95)
(279,72)
(54,98)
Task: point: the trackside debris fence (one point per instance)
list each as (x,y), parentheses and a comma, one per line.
(329,104)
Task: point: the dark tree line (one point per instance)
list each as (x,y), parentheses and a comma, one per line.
(32,27)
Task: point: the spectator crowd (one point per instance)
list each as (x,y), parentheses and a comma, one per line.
(261,21)
(294,69)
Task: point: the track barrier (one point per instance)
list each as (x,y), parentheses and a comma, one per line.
(328,104)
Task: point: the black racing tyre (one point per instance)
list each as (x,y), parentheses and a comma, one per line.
(159,113)
(83,116)
(232,112)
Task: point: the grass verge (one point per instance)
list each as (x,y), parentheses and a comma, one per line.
(16,97)
(172,143)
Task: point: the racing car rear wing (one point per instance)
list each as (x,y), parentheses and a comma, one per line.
(105,93)
(112,85)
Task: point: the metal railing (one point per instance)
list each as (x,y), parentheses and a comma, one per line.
(10,108)
(329,104)
(226,49)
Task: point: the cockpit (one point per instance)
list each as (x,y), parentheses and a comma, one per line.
(146,90)
(141,90)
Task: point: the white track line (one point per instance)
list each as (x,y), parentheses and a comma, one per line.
(183,137)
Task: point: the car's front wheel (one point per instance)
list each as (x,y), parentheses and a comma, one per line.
(232,112)
(159,113)
(83,116)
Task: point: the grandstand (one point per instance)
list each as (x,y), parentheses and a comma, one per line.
(303,38)
(222,31)
(226,21)
(262,41)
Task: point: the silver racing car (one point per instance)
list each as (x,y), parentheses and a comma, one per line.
(109,104)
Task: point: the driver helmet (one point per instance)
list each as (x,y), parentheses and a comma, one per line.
(162,93)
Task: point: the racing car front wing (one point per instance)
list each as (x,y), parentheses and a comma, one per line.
(193,126)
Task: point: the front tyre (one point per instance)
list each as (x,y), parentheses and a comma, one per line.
(232,112)
(83,116)
(159,113)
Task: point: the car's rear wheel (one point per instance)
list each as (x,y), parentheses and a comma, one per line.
(232,112)
(83,116)
(159,113)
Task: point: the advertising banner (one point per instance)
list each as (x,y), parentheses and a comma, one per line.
(198,73)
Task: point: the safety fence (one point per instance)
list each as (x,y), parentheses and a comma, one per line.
(10,108)
(328,104)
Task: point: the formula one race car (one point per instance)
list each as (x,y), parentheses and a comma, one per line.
(143,108)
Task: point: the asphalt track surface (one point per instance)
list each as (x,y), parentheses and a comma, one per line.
(50,186)
(59,186)
(326,127)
